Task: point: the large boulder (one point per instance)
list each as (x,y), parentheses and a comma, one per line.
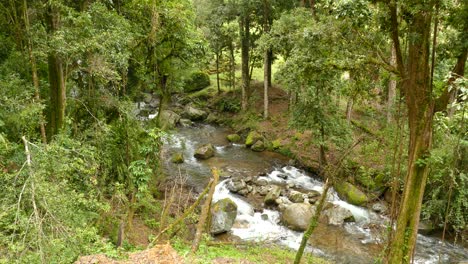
(297,216)
(197,82)
(204,152)
(193,113)
(259,146)
(169,119)
(223,214)
(252,138)
(351,193)
(337,215)
(272,195)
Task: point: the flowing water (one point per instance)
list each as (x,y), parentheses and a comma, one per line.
(357,242)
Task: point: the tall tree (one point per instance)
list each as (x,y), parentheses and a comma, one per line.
(413,65)
(57,96)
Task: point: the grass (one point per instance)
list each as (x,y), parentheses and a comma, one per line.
(252,252)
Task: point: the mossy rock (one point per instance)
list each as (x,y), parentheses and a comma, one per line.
(177,158)
(252,138)
(351,193)
(197,81)
(233,138)
(259,146)
(204,152)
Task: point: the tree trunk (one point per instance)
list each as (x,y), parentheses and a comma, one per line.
(267,59)
(417,90)
(233,66)
(391,90)
(35,77)
(56,79)
(245,46)
(266,82)
(349,109)
(217,73)
(205,211)
(312,225)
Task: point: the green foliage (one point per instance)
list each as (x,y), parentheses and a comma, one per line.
(196,82)
(231,105)
(446,193)
(48,208)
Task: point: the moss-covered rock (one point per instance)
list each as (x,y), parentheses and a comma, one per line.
(253,137)
(177,158)
(224,214)
(233,138)
(259,146)
(205,152)
(197,82)
(351,193)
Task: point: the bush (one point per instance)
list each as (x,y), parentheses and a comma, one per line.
(197,81)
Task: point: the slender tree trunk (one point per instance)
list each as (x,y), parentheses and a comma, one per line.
(312,7)
(312,225)
(217,73)
(205,211)
(267,59)
(266,82)
(233,66)
(349,108)
(417,90)
(391,90)
(35,77)
(56,79)
(245,46)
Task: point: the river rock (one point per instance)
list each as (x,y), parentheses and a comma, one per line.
(185,122)
(233,138)
(296,197)
(177,158)
(297,216)
(223,214)
(313,196)
(261,182)
(351,193)
(259,146)
(379,207)
(272,195)
(337,215)
(193,113)
(252,138)
(205,152)
(169,119)
(283,176)
(236,185)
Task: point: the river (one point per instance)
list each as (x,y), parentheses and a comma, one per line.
(356,242)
